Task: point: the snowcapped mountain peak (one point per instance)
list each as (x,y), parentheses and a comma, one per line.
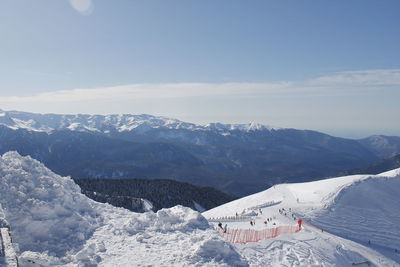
(113,123)
(6,120)
(252,126)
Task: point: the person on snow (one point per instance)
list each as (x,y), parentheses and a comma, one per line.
(220,225)
(300,221)
(251,223)
(225,228)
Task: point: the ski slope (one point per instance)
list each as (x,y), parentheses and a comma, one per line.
(360,216)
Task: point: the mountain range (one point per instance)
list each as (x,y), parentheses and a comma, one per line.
(378,167)
(238,159)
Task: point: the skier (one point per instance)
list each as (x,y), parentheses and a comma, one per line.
(220,225)
(225,228)
(251,223)
(300,221)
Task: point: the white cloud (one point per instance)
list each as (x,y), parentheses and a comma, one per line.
(339,83)
(82,6)
(360,78)
(154,91)
(358,99)
(343,83)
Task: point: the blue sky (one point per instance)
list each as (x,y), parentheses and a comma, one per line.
(332,66)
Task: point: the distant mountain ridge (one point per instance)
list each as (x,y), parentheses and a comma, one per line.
(378,167)
(108,124)
(238,159)
(381,145)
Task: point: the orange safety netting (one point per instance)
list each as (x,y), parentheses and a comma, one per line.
(250,235)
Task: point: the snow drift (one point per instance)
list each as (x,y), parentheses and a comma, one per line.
(54,224)
(43,208)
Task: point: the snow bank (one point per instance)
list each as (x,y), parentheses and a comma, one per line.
(3,221)
(55,225)
(171,237)
(44,208)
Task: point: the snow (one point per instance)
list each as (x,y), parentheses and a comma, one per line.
(366,212)
(360,216)
(198,207)
(310,248)
(42,209)
(53,224)
(113,123)
(10,257)
(147,205)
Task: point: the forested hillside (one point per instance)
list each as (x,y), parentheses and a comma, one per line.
(161,193)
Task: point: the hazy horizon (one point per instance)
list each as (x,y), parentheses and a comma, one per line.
(333,67)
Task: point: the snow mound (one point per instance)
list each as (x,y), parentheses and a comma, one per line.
(177,218)
(53,224)
(42,207)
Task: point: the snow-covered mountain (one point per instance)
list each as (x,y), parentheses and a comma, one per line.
(237,159)
(107,124)
(350,219)
(383,146)
(53,224)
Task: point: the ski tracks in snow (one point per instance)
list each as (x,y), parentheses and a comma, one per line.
(310,248)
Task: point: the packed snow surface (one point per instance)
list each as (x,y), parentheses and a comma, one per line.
(351,219)
(53,224)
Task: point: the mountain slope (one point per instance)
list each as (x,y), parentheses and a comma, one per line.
(109,124)
(161,193)
(358,213)
(238,159)
(378,167)
(381,145)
